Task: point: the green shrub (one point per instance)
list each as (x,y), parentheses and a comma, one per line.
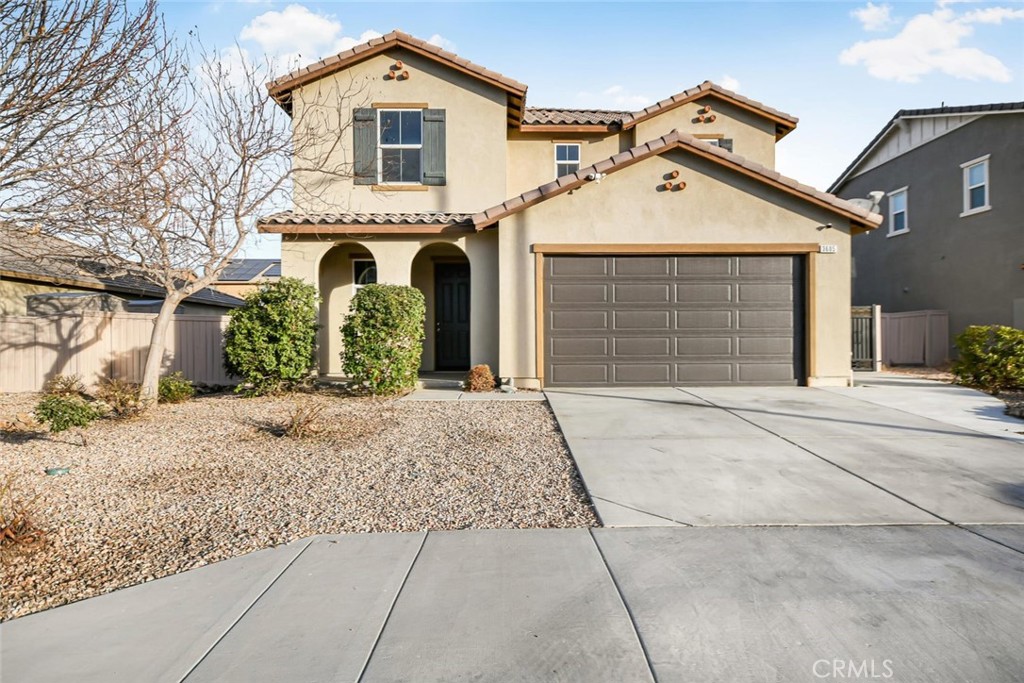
(120,396)
(175,388)
(270,342)
(64,412)
(991,358)
(64,385)
(480,378)
(383,338)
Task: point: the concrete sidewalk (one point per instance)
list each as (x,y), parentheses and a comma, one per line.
(931,603)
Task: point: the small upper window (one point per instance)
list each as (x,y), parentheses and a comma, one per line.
(401,145)
(898,212)
(976,192)
(724,143)
(364,272)
(567,158)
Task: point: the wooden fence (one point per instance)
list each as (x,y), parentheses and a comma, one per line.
(915,338)
(105,345)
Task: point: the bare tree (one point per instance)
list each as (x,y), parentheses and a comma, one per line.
(60,63)
(180,157)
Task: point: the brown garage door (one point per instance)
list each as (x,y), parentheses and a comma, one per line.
(673,320)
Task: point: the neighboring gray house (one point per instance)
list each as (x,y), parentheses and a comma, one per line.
(953,235)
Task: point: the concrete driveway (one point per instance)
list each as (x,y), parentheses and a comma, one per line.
(787,455)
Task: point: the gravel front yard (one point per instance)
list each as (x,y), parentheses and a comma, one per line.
(199,482)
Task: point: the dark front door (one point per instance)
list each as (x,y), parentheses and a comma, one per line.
(451,312)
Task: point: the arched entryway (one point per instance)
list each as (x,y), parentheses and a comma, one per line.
(343,269)
(441,272)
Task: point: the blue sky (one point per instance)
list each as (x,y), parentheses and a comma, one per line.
(843,68)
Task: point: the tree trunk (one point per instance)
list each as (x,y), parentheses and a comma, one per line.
(155,357)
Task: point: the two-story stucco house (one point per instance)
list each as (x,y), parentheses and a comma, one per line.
(954,205)
(570,247)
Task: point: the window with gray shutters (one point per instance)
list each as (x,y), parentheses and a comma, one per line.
(399,146)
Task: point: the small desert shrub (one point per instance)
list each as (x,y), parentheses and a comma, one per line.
(480,378)
(383,338)
(175,388)
(64,412)
(120,396)
(17,526)
(270,341)
(991,358)
(303,420)
(64,385)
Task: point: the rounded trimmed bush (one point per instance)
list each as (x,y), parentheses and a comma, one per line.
(270,341)
(383,338)
(991,358)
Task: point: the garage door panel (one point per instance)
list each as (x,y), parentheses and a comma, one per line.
(703,373)
(704,320)
(642,266)
(764,292)
(645,373)
(579,320)
(642,320)
(703,346)
(579,294)
(576,267)
(703,293)
(575,347)
(641,293)
(703,266)
(675,320)
(641,346)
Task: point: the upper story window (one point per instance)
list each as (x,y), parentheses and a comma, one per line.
(394,147)
(898,212)
(724,143)
(400,145)
(976,186)
(567,158)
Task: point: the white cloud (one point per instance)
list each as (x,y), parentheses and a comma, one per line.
(295,35)
(613,97)
(346,43)
(441,42)
(729,83)
(933,42)
(873,17)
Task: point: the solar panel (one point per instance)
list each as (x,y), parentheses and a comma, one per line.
(273,271)
(244,270)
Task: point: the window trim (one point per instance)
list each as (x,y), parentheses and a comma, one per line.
(579,160)
(906,211)
(967,187)
(381,147)
(355,280)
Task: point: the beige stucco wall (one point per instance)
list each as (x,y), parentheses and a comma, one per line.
(531,156)
(717,207)
(475,135)
(753,136)
(326,262)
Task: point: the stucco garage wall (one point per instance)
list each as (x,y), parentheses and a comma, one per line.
(717,207)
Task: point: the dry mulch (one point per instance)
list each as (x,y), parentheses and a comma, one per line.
(194,483)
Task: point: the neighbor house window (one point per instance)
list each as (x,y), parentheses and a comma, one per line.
(898,212)
(567,158)
(976,197)
(400,138)
(364,272)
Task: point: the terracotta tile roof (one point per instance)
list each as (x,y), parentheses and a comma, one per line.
(998,107)
(676,140)
(356,218)
(703,89)
(281,86)
(544,116)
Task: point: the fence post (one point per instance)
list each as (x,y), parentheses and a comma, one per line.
(876,331)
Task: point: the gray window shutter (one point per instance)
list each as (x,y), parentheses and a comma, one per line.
(726,144)
(433,147)
(364,146)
